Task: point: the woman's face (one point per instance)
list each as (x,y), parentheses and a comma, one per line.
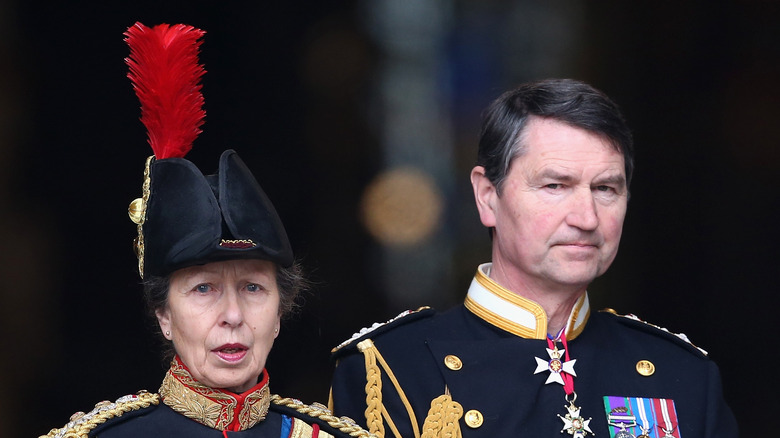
(223,318)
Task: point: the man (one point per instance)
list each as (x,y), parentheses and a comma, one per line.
(524,355)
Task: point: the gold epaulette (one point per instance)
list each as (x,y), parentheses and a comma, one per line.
(319,411)
(682,336)
(81,424)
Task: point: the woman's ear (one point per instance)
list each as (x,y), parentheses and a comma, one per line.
(278,326)
(164,319)
(484,196)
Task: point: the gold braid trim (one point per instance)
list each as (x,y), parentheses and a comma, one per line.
(211,407)
(316,410)
(374,406)
(375,409)
(81,424)
(442,420)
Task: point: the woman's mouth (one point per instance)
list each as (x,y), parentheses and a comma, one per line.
(231,352)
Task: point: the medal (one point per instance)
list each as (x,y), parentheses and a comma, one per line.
(642,411)
(640,417)
(573,423)
(562,371)
(669,418)
(555,365)
(621,418)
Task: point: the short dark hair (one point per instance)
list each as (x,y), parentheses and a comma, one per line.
(290,281)
(565,100)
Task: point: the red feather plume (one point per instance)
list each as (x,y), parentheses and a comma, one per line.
(166,77)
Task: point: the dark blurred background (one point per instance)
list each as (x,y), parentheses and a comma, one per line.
(360,120)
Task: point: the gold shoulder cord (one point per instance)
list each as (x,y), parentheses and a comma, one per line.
(319,411)
(82,424)
(375,409)
(442,419)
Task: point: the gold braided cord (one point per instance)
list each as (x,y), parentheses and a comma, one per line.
(343,424)
(391,423)
(81,426)
(442,420)
(373,388)
(374,406)
(401,394)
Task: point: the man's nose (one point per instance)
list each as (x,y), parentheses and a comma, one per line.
(582,210)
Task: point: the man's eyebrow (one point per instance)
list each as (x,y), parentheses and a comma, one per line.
(555,174)
(615,179)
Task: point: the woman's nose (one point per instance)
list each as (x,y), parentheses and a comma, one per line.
(232,312)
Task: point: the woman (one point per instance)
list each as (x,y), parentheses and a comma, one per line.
(218,272)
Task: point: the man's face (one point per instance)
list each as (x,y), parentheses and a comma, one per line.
(560,214)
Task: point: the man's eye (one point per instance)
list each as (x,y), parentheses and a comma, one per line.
(604,188)
(553,186)
(203,288)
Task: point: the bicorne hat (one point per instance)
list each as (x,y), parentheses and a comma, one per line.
(184,217)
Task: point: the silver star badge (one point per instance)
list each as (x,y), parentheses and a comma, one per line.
(555,366)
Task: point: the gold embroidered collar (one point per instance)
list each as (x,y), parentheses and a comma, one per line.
(216,408)
(515,314)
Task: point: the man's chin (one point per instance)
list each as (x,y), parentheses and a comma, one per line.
(581,277)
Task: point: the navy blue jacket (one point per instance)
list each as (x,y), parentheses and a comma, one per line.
(155,419)
(497,375)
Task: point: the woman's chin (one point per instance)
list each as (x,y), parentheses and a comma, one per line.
(234,385)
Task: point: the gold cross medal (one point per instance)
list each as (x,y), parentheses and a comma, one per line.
(555,365)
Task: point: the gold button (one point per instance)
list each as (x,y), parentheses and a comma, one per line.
(645,368)
(473,418)
(136,211)
(453,362)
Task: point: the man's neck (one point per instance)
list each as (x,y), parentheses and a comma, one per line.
(557,302)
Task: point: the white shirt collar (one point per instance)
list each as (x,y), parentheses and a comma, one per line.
(514,313)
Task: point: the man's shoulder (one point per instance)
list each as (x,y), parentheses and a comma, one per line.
(402,325)
(320,415)
(652,333)
(106,414)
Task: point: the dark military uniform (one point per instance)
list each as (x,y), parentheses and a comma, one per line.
(186,408)
(483,355)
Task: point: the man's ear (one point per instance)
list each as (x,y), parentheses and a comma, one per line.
(484,195)
(164,319)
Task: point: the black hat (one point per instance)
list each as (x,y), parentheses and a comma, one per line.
(184,217)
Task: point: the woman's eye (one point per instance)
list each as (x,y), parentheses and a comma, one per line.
(252,287)
(203,288)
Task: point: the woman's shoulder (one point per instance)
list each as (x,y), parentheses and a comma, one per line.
(136,414)
(81,424)
(316,416)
